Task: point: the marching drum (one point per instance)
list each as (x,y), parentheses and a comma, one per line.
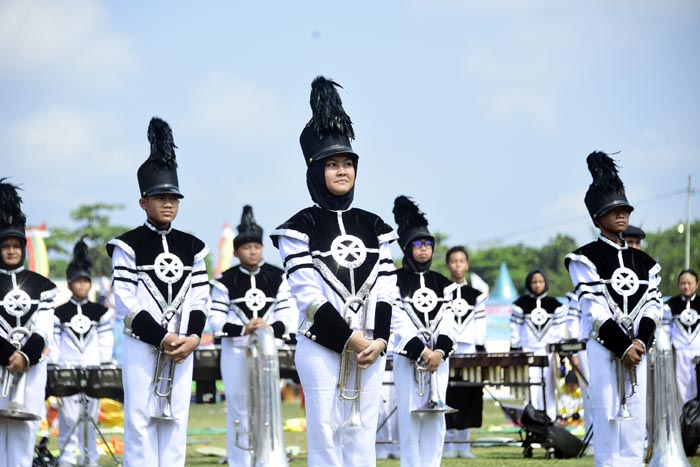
(207,365)
(104,382)
(63,381)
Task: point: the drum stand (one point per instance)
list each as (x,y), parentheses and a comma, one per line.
(85,419)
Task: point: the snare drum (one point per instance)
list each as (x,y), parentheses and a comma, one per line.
(63,381)
(207,365)
(288,369)
(104,381)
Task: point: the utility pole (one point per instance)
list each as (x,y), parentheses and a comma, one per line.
(687,229)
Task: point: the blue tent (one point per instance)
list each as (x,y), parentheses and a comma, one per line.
(503,291)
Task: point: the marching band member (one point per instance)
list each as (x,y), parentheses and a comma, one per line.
(469,308)
(248,296)
(339,267)
(83,336)
(682,324)
(620,304)
(538,320)
(633,236)
(423,335)
(26,320)
(161,293)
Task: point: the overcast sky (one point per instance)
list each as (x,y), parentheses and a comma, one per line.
(483,111)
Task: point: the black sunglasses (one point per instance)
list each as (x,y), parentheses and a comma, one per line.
(423,242)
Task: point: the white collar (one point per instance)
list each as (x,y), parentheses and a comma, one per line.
(613,244)
(12,271)
(156,230)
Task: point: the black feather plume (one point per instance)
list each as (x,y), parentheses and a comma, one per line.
(327,109)
(162,145)
(10,205)
(604,172)
(407,215)
(247,220)
(80,256)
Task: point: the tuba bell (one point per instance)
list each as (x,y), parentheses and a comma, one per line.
(17,409)
(666,440)
(265,436)
(434,404)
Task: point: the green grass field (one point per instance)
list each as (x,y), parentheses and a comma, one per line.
(207,425)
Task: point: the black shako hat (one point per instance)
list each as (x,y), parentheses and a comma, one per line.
(607,191)
(330,129)
(12,219)
(248,230)
(633,231)
(80,264)
(158,175)
(411,222)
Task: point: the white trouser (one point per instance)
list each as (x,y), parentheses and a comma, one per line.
(68,415)
(17,438)
(618,443)
(685,373)
(422,435)
(147,442)
(329,443)
(234,371)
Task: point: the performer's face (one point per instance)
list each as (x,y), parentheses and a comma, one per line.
(249,254)
(537,284)
(422,250)
(458,265)
(11,251)
(615,221)
(687,284)
(80,288)
(340,174)
(634,242)
(161,209)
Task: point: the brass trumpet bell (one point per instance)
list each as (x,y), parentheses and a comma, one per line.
(433,406)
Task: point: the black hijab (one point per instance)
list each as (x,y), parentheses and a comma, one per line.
(316,184)
(528,280)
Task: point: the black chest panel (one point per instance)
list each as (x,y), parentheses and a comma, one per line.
(605,259)
(32,284)
(323,229)
(237,282)
(469,294)
(148,244)
(409,282)
(677,305)
(92,310)
(528,303)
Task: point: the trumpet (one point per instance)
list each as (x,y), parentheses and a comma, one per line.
(352,395)
(17,410)
(434,403)
(622,410)
(163,378)
(265,436)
